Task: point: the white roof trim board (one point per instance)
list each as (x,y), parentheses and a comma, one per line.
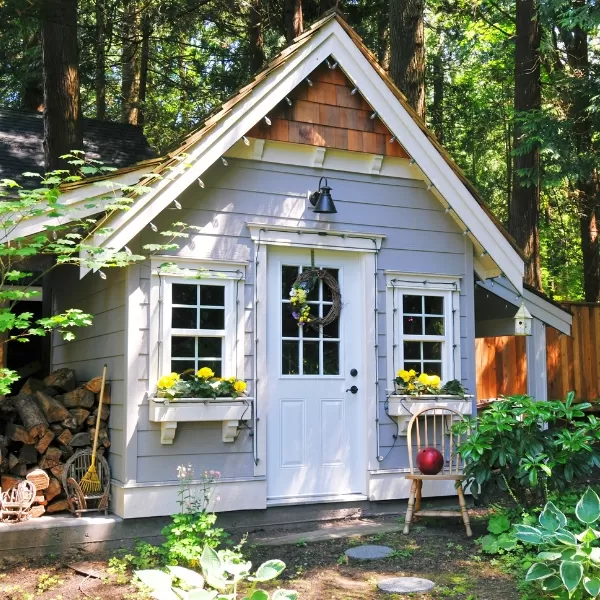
(328,39)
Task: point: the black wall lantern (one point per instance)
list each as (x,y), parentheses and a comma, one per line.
(322,200)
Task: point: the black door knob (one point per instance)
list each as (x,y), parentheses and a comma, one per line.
(353,372)
(352,390)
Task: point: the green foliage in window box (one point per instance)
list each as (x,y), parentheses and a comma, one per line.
(526,447)
(202,384)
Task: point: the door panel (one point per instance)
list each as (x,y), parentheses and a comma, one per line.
(315,427)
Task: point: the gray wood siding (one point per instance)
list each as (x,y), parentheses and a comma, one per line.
(420,238)
(101,343)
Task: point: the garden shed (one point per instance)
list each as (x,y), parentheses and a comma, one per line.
(395,225)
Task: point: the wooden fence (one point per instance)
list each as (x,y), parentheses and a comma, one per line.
(573,362)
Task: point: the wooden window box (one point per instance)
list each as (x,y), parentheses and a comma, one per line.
(403,407)
(230,411)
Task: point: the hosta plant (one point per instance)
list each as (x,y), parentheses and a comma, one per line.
(223,572)
(568,565)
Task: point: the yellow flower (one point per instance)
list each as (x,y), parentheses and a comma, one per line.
(434,381)
(404,375)
(411,386)
(205,373)
(232,380)
(424,378)
(412,373)
(239,386)
(167,381)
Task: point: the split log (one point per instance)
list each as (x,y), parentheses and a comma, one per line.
(17,433)
(80,415)
(58,471)
(106,399)
(57,506)
(90,421)
(39,478)
(28,454)
(65,437)
(80,397)
(31,386)
(36,511)
(52,408)
(56,428)
(54,489)
(43,444)
(68,451)
(104,414)
(20,470)
(7,406)
(40,500)
(32,417)
(63,379)
(103,438)
(70,423)
(3,464)
(94,385)
(51,458)
(4,441)
(7,481)
(13,461)
(81,439)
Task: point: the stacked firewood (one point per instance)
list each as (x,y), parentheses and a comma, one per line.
(43,426)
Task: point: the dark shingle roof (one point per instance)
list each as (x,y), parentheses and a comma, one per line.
(21,143)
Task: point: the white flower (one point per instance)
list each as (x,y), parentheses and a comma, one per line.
(293,292)
(215,384)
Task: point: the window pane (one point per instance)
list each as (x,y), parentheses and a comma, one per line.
(311,358)
(210,347)
(215,365)
(412,304)
(311,332)
(413,325)
(326,291)
(212,295)
(183,346)
(434,305)
(433,368)
(290,362)
(185,293)
(331,358)
(313,287)
(333,329)
(179,366)
(412,351)
(289,325)
(288,276)
(432,351)
(412,365)
(212,318)
(434,325)
(184,318)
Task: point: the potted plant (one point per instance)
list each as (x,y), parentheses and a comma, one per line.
(411,383)
(203,384)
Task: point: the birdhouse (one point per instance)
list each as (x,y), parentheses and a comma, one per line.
(523,320)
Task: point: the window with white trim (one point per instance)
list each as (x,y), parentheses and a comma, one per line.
(425,329)
(199,325)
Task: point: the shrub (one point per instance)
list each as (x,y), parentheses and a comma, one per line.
(569,564)
(526,447)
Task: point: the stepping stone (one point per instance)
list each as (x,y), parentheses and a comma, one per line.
(405,585)
(369,552)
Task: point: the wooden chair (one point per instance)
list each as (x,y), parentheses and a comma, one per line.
(75,468)
(432,428)
(15,503)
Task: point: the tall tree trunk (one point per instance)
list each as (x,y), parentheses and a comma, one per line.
(588,182)
(130,64)
(32,90)
(63,130)
(524,214)
(144,64)
(383,27)
(292,19)
(407,51)
(255,36)
(437,107)
(100,75)
(325,5)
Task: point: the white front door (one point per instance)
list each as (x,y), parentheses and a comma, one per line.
(316,427)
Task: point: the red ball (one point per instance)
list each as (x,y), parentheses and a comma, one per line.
(430,461)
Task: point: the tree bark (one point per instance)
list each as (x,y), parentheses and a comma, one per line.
(325,5)
(588,181)
(63,130)
(407,51)
(144,64)
(32,417)
(437,107)
(255,36)
(32,94)
(100,59)
(130,64)
(525,203)
(292,19)
(383,26)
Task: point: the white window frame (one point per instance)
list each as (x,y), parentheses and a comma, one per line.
(398,285)
(231,277)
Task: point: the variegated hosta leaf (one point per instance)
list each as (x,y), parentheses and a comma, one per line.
(539,571)
(592,586)
(285,595)
(268,570)
(588,508)
(528,534)
(189,577)
(571,573)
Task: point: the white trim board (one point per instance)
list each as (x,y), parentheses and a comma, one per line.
(330,39)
